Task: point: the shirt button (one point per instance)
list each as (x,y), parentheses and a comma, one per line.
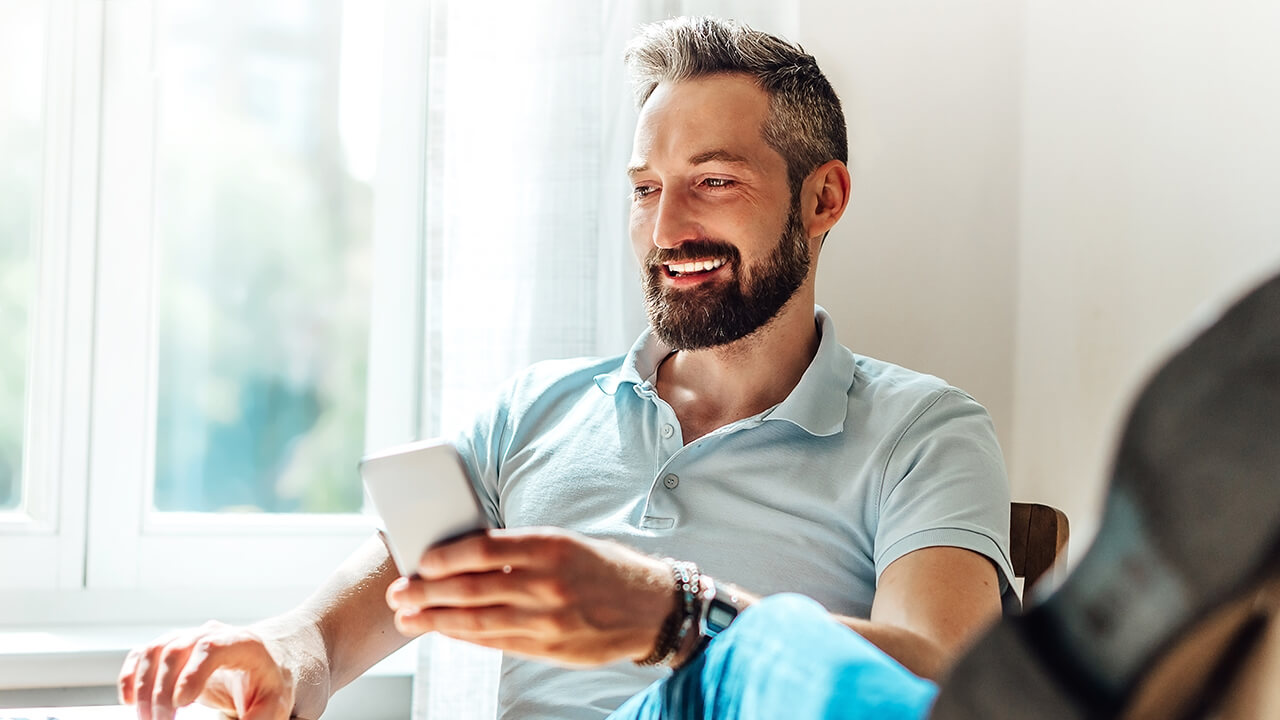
(668,430)
(671,481)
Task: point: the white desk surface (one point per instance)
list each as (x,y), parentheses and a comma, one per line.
(105,712)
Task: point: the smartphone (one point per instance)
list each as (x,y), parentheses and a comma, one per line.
(423,496)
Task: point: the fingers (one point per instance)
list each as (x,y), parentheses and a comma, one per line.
(139,682)
(232,649)
(543,592)
(170,662)
(517,587)
(136,681)
(529,647)
(126,680)
(496,549)
(175,670)
(510,630)
(480,624)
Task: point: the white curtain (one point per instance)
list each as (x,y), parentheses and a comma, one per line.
(528,133)
(529,124)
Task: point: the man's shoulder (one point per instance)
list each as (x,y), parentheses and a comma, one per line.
(889,385)
(561,375)
(880,375)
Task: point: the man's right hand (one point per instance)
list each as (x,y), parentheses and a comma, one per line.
(232,669)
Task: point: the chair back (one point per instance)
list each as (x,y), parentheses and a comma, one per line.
(1038,537)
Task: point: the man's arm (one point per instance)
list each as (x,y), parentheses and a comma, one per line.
(929,605)
(350,616)
(290,664)
(558,595)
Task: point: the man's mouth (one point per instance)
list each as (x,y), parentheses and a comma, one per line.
(696,267)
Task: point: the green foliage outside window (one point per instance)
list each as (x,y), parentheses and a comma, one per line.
(263,284)
(19,187)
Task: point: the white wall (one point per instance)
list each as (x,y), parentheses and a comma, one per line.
(1045,194)
(1150,186)
(921,271)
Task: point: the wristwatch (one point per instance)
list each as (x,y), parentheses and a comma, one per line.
(720,606)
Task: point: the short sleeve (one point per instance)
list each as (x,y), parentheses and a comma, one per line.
(482,447)
(945,484)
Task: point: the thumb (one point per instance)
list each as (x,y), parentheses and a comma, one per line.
(274,707)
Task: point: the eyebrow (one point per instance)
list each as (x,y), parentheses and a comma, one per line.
(717,155)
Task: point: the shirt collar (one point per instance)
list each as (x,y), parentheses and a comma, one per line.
(639,367)
(819,403)
(814,404)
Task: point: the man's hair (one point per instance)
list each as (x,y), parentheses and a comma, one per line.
(805,124)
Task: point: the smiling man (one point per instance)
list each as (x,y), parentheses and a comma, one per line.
(738,436)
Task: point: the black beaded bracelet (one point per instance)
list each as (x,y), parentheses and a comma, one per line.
(677,624)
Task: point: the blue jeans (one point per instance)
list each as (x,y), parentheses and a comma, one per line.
(785,657)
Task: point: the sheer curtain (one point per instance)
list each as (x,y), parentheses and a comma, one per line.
(528,131)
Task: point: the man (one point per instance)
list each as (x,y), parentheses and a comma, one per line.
(738,435)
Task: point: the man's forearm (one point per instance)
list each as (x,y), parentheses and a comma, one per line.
(340,631)
(914,651)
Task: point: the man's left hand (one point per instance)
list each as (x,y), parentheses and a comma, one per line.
(542,592)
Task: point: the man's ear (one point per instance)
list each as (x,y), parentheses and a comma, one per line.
(824,197)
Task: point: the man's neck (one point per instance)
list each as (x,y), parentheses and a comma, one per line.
(714,387)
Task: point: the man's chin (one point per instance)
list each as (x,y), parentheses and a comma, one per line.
(709,331)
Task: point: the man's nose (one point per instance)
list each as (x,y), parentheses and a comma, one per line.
(674,221)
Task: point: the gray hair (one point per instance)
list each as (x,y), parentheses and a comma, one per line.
(805,124)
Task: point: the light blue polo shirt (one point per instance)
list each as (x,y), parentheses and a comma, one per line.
(861,464)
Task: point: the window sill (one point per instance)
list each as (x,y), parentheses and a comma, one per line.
(79,665)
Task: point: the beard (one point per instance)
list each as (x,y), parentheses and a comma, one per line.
(717,314)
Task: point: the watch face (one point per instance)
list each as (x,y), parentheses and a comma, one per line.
(719,615)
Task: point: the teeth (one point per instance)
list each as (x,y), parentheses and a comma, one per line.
(693,267)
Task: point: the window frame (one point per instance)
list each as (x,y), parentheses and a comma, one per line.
(97,554)
(43,540)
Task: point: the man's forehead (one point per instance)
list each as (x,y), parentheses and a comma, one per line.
(707,93)
(719,118)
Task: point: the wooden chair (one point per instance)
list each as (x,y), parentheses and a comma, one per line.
(1037,539)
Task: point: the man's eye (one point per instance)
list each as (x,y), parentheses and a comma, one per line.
(641,191)
(717,182)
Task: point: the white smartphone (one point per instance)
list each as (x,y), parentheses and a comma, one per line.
(422,493)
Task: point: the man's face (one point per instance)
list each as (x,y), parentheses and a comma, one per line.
(721,244)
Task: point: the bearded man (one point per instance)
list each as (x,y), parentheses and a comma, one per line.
(736,440)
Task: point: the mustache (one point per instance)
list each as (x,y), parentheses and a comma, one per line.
(692,250)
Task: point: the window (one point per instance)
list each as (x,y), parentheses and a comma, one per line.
(190,266)
(21,139)
(37,303)
(263,237)
(233,296)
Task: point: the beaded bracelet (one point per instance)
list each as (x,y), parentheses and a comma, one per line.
(689,587)
(677,624)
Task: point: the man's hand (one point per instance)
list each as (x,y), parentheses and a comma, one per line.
(541,592)
(287,664)
(231,669)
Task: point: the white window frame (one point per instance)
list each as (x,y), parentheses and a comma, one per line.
(91,551)
(42,542)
